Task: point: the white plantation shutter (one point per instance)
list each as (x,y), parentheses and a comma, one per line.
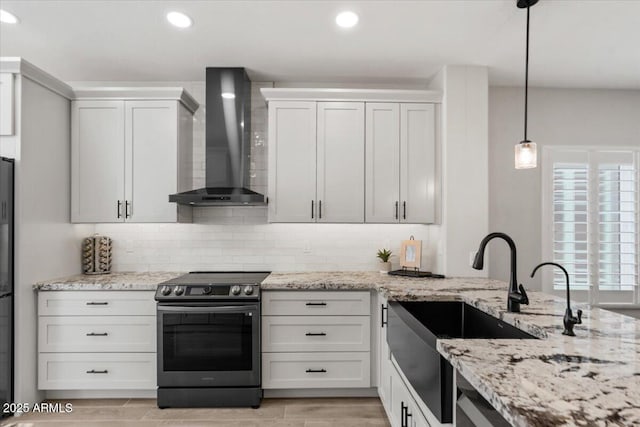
(591,225)
(570,227)
(617,211)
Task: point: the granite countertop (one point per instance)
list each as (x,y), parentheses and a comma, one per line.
(124,281)
(592,379)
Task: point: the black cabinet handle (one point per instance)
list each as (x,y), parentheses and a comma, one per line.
(119,211)
(317,304)
(127,204)
(312,209)
(97,303)
(316,334)
(407,414)
(396,210)
(320,209)
(93,371)
(97,334)
(316,371)
(403,409)
(383,310)
(404,210)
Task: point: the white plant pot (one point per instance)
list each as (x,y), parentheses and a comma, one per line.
(385,267)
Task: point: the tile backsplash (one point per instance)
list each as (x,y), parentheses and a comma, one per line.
(239,238)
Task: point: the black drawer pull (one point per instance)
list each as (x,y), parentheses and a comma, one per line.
(93,371)
(97,334)
(316,371)
(316,334)
(316,303)
(97,303)
(383,322)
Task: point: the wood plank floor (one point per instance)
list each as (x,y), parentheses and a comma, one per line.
(317,412)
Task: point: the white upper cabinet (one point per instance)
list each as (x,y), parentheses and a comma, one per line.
(417,163)
(352,156)
(340,165)
(7,104)
(97,161)
(383,163)
(127,157)
(316,161)
(400,163)
(292,161)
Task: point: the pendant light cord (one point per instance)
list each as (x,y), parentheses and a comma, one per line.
(526,79)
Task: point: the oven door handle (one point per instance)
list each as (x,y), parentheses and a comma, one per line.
(221,309)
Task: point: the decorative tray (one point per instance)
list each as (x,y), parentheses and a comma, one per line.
(416,273)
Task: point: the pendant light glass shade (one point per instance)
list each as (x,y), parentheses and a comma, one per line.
(526,152)
(526,155)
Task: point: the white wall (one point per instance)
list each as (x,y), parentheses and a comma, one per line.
(556,117)
(464,166)
(47,245)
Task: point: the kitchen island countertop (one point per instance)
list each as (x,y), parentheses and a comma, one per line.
(592,379)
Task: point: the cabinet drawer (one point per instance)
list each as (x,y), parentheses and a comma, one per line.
(315,370)
(97,333)
(94,371)
(315,333)
(96,303)
(320,303)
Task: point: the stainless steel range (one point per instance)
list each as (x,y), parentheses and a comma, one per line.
(209,340)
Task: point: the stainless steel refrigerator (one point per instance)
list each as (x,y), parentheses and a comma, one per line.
(6,283)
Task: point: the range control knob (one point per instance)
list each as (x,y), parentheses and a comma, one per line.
(248,290)
(207,290)
(165,290)
(235,290)
(179,290)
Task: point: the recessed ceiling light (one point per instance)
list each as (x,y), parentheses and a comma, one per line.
(228,95)
(8,18)
(179,19)
(347,19)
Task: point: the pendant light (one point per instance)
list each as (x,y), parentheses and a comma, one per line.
(525,151)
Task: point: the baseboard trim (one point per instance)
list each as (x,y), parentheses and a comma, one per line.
(101,394)
(321,392)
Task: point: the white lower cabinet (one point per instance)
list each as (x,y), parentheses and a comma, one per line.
(316,339)
(316,370)
(96,340)
(404,411)
(97,371)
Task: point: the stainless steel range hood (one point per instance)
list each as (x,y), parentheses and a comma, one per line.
(228,151)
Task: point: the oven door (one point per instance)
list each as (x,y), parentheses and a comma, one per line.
(209,346)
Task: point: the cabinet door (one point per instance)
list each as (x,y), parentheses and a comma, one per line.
(384,357)
(151,173)
(6,104)
(399,399)
(340,162)
(97,161)
(382,163)
(292,161)
(417,163)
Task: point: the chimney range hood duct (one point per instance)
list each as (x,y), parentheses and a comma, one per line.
(228,143)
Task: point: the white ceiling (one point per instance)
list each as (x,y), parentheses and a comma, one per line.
(581,43)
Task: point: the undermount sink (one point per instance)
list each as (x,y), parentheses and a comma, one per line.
(412,332)
(453,319)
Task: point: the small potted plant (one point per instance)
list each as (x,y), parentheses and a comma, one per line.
(384,255)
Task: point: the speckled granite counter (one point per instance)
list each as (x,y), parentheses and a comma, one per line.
(143,281)
(592,379)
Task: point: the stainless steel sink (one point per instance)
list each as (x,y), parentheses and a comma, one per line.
(414,328)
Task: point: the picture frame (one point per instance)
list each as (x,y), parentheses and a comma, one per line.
(411,253)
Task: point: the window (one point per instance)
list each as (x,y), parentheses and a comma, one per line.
(590,222)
